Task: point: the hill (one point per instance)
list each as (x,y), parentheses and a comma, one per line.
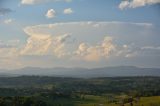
(119,71)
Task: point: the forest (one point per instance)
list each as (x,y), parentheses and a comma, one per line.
(63,91)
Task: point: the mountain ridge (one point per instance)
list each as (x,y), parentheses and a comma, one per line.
(111,71)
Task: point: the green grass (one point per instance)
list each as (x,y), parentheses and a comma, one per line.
(150,101)
(91,100)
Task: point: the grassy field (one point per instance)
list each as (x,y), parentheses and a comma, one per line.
(90,100)
(150,101)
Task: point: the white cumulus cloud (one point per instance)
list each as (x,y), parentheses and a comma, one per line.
(45,45)
(95,52)
(136,3)
(68,11)
(51,13)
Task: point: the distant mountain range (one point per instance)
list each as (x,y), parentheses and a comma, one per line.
(119,71)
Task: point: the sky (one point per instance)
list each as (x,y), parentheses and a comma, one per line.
(79,33)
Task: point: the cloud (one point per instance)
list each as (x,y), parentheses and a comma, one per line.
(4,11)
(51,13)
(8,52)
(133,50)
(9,49)
(150,48)
(3,45)
(45,45)
(36,45)
(124,4)
(89,27)
(90,45)
(127,51)
(8,21)
(150,51)
(97,52)
(68,11)
(42,41)
(81,44)
(50,39)
(137,3)
(31,2)
(87,53)
(9,44)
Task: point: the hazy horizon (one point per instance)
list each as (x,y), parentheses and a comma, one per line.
(58,67)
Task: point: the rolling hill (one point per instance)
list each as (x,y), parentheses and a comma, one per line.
(118,71)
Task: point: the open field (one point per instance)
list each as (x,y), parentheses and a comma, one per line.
(88,100)
(102,101)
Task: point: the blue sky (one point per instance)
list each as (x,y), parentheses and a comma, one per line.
(79,33)
(85,10)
